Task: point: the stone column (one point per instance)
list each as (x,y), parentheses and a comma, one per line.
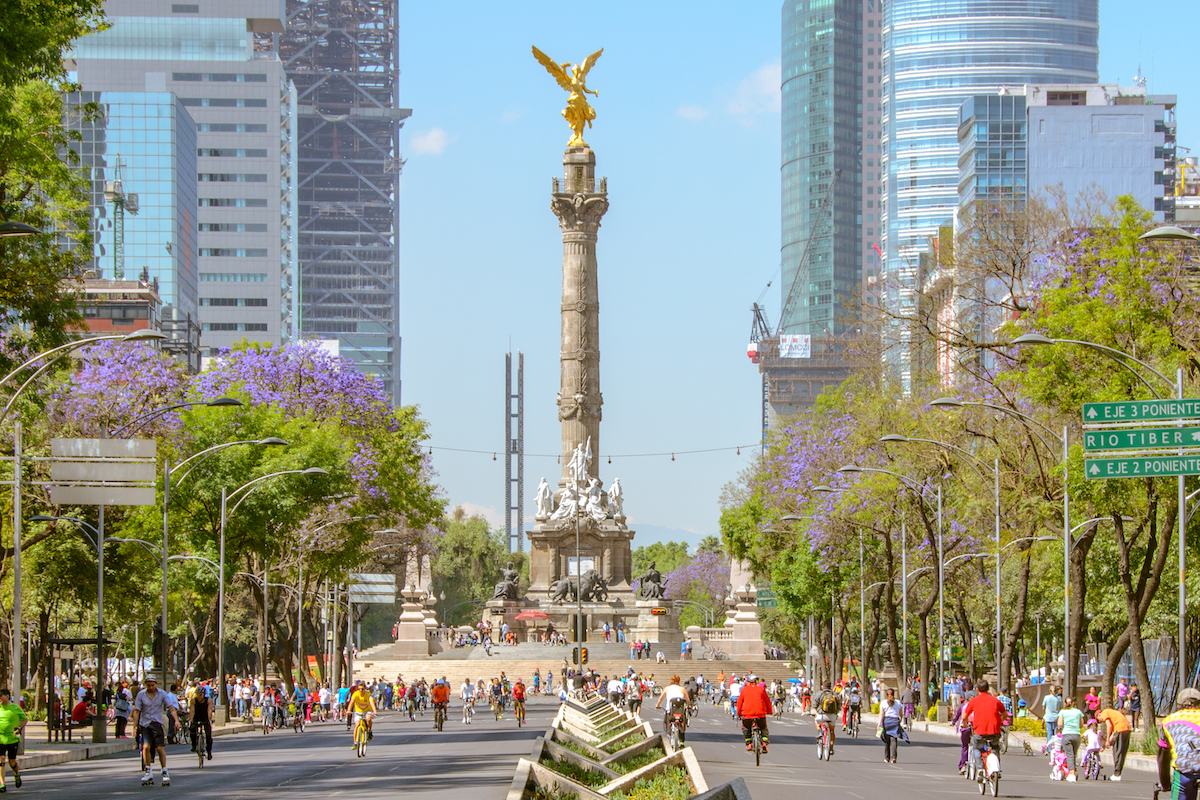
(579,204)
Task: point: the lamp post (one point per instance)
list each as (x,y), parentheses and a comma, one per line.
(96,538)
(245,489)
(57,352)
(1166,233)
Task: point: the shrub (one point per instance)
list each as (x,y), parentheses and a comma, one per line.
(932,715)
(672,784)
(637,762)
(1030,725)
(628,741)
(592,780)
(874,708)
(1146,744)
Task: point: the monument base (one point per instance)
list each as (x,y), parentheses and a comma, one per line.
(889,678)
(498,612)
(595,614)
(658,628)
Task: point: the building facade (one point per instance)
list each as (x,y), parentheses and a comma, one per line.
(145,140)
(203,55)
(935,56)
(342,57)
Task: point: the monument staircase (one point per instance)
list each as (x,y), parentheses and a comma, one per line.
(520,661)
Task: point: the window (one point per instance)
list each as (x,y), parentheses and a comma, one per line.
(229,127)
(218,77)
(233,202)
(233,227)
(233,277)
(1066,98)
(231,177)
(231,252)
(230,152)
(225,102)
(184,8)
(234,302)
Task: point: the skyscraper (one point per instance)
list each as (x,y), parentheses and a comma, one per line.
(935,56)
(342,57)
(203,54)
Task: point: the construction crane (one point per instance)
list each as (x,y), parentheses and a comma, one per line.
(114,194)
(764,344)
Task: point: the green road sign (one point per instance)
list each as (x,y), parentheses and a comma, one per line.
(1147,467)
(772,603)
(1141,410)
(1141,439)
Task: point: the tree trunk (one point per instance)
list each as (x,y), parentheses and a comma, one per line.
(923,643)
(1004,678)
(1078,595)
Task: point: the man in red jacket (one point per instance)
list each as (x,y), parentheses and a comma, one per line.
(753,708)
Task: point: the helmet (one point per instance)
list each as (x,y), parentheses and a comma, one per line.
(1188,698)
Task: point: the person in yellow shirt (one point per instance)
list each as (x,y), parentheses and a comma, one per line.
(361,702)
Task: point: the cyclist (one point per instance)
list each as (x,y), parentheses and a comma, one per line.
(854,702)
(498,697)
(908,701)
(466,693)
(361,703)
(753,706)
(987,718)
(518,697)
(674,693)
(735,689)
(780,694)
(827,705)
(1179,748)
(266,702)
(441,697)
(200,711)
(300,699)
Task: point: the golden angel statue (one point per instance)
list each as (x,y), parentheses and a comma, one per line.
(573,77)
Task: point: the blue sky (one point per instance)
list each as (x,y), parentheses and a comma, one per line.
(687,132)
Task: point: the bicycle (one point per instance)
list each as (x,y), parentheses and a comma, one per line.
(496,709)
(519,710)
(675,727)
(439,715)
(266,715)
(1093,770)
(360,735)
(823,748)
(756,744)
(468,711)
(201,739)
(780,707)
(852,725)
(988,774)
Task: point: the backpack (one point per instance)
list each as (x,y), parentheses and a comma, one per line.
(855,699)
(828,703)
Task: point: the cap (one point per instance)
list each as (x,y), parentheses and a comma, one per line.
(149,679)
(1188,697)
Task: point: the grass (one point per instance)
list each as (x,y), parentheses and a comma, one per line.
(613,730)
(638,761)
(574,748)
(628,741)
(673,784)
(592,780)
(1146,744)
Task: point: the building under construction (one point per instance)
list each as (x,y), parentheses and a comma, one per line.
(342,57)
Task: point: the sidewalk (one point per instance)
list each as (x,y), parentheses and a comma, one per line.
(40,753)
(1016,741)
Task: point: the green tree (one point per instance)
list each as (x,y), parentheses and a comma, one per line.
(34,34)
(666,555)
(467,565)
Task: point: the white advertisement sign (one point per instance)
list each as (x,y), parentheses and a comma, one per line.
(794,345)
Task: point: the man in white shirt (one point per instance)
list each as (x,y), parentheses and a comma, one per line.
(466,693)
(671,694)
(735,689)
(616,692)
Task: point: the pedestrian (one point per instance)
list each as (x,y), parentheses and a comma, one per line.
(1092,700)
(1051,705)
(1135,705)
(890,729)
(1122,692)
(1070,722)
(1117,737)
(150,711)
(121,708)
(964,738)
(12,727)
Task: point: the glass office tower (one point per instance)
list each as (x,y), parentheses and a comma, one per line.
(154,138)
(935,56)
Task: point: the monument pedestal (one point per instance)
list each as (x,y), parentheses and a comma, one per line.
(657,622)
(889,678)
(497,612)
(411,640)
(747,643)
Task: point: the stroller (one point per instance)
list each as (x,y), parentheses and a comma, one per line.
(1058,759)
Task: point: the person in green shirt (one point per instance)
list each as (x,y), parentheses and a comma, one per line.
(12,725)
(1070,721)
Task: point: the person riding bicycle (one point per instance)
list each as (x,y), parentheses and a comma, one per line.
(854,704)
(200,711)
(466,693)
(1179,748)
(441,697)
(361,702)
(908,700)
(672,694)
(987,718)
(827,705)
(780,698)
(518,696)
(754,707)
(300,699)
(497,695)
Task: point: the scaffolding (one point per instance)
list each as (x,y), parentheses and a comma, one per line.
(342,57)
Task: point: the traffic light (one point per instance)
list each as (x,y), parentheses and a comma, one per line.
(575,656)
(585,655)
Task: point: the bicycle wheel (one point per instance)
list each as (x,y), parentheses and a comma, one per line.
(995,785)
(674,738)
(756,740)
(266,723)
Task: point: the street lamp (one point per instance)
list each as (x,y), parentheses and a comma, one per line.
(10,230)
(246,489)
(143,419)
(1165,233)
(974,461)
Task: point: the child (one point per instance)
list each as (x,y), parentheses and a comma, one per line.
(1058,759)
(1091,742)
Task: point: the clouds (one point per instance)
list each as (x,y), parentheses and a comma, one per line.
(431,142)
(494,518)
(758,93)
(754,95)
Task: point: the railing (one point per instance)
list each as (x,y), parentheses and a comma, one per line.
(715,635)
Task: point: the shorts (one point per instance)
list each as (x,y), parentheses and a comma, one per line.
(9,751)
(826,718)
(153,736)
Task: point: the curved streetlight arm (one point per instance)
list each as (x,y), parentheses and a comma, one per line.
(143,419)
(915,487)
(204,454)
(259,581)
(248,486)
(1097,521)
(972,459)
(1120,356)
(1029,539)
(83,527)
(209,563)
(8,406)
(946,402)
(150,546)
(71,346)
(966,555)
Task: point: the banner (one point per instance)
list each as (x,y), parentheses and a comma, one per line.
(794,345)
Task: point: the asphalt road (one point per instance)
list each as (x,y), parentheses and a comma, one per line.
(412,758)
(926,768)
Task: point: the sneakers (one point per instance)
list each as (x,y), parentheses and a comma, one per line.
(17,779)
(764,748)
(749,747)
(209,756)
(166,779)
(1113,778)
(370,736)
(1070,777)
